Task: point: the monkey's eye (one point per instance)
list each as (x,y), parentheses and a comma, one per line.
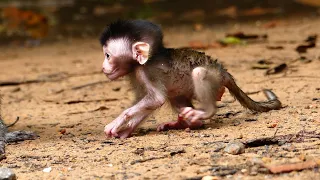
(107,55)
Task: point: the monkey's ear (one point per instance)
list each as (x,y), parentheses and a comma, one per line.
(140,52)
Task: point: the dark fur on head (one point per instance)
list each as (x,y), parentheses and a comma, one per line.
(134,31)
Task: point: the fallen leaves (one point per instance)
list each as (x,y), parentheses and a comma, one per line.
(262,64)
(244,36)
(238,38)
(277,69)
(33,24)
(310,42)
(234,11)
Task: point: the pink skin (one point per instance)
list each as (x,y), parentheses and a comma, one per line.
(128,120)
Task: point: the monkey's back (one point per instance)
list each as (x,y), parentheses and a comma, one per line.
(187,59)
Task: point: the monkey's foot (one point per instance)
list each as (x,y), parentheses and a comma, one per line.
(180,124)
(110,130)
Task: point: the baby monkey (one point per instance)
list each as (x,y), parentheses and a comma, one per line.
(135,48)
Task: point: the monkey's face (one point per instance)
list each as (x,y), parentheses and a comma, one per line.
(121,57)
(118,58)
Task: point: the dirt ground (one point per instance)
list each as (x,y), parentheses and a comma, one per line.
(70,120)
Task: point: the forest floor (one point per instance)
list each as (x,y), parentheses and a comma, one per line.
(69,118)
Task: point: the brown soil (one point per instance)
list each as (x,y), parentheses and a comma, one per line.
(71,139)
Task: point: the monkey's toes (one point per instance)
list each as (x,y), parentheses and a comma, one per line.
(180,124)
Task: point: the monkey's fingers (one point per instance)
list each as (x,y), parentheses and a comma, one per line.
(185,111)
(189,115)
(109,130)
(125,133)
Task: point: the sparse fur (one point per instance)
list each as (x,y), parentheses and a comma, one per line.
(177,75)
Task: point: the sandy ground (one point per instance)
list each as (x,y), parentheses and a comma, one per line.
(70,122)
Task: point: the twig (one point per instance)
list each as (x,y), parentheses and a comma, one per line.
(293,166)
(45,78)
(10,125)
(85,85)
(96,100)
(89,84)
(299,137)
(273,78)
(101,108)
(18,82)
(274,135)
(145,160)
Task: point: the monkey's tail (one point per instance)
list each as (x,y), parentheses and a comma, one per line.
(247,102)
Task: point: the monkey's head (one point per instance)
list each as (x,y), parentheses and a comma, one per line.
(128,43)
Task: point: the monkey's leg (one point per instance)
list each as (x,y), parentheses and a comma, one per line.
(129,119)
(178,103)
(207,88)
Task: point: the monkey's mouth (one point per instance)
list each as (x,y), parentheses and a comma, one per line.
(112,75)
(109,73)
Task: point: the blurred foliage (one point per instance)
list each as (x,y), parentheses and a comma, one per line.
(37,19)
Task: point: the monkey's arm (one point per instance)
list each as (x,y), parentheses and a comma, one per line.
(129,119)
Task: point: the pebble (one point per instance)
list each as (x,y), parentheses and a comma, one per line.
(244,171)
(210,178)
(47,170)
(234,147)
(256,161)
(7,174)
(303,118)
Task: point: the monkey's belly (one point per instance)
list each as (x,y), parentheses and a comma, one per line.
(180,92)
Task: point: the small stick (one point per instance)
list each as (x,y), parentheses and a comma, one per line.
(89,84)
(293,166)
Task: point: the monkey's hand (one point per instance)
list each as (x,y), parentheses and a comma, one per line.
(123,125)
(192,115)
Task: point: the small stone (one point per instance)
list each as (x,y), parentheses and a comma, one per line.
(273,125)
(266,160)
(210,178)
(244,171)
(302,157)
(256,161)
(234,147)
(229,176)
(254,171)
(62,131)
(116,89)
(187,130)
(303,118)
(47,170)
(7,174)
